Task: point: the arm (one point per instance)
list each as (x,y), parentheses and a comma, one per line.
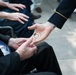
(13,6)
(2,3)
(11,62)
(13,42)
(20,17)
(62,13)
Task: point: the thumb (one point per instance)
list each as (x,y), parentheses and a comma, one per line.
(29,41)
(32,27)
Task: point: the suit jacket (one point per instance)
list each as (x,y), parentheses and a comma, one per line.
(9,63)
(66,7)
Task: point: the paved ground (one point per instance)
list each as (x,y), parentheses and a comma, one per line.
(63,41)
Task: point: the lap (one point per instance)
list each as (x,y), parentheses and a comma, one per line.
(20,30)
(35,60)
(40,73)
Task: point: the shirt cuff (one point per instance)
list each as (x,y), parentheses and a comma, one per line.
(57,20)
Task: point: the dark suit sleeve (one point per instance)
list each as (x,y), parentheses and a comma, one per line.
(66,7)
(4,38)
(9,64)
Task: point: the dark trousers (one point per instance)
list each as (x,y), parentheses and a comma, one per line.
(27,3)
(41,73)
(44,61)
(20,30)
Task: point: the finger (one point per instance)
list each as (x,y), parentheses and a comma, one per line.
(32,27)
(25,39)
(19,20)
(24,15)
(34,49)
(22,6)
(28,41)
(34,43)
(24,19)
(19,6)
(22,40)
(16,9)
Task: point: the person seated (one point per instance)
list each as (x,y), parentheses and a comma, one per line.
(16,14)
(28,4)
(25,57)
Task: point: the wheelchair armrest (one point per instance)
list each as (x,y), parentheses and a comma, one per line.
(9,28)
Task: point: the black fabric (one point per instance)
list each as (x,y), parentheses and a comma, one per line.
(4,38)
(20,30)
(1,54)
(27,3)
(9,64)
(41,73)
(66,7)
(44,61)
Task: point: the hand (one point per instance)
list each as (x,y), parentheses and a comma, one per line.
(17,17)
(16,42)
(15,7)
(41,31)
(25,51)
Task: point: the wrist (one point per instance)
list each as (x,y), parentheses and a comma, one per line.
(7,15)
(6,4)
(20,55)
(3,3)
(10,42)
(4,15)
(50,26)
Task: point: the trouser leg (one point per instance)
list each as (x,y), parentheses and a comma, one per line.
(49,59)
(43,73)
(21,30)
(27,3)
(44,60)
(40,73)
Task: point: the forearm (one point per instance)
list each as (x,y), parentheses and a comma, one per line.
(63,12)
(4,15)
(2,3)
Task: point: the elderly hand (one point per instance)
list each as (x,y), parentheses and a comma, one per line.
(25,51)
(16,42)
(41,31)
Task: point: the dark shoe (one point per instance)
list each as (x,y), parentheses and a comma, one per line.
(38,9)
(35,16)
